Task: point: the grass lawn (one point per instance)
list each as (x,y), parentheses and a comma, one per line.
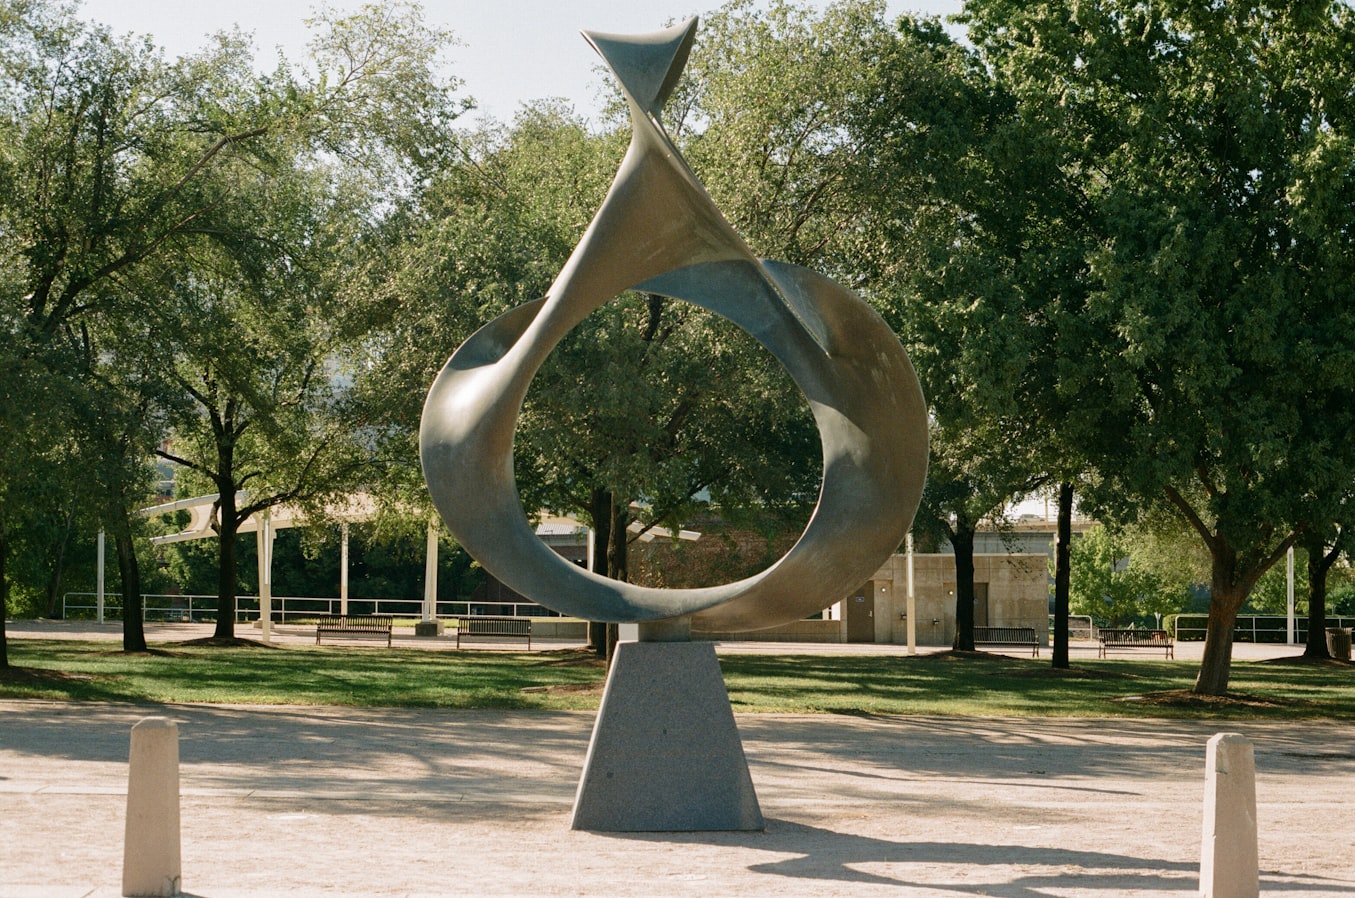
(950,684)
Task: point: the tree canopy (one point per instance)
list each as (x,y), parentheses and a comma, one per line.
(1116,238)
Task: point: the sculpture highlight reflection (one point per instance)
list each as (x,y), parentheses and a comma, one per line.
(658,231)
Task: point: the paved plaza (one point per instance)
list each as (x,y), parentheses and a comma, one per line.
(320,801)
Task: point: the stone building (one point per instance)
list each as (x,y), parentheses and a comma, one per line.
(1010,590)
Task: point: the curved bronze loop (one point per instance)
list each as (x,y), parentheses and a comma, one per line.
(660,232)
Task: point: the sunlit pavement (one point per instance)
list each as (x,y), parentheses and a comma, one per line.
(287,634)
(321,801)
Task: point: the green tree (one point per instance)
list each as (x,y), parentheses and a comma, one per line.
(1212,144)
(1163,545)
(986,237)
(1322,549)
(263,419)
(763,116)
(969,486)
(113,159)
(1108,584)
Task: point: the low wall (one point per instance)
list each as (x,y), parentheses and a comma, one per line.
(560,628)
(799,631)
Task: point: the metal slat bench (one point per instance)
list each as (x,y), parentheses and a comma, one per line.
(494,626)
(360,626)
(1112,640)
(1019,637)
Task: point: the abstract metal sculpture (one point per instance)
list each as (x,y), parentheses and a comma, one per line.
(658,231)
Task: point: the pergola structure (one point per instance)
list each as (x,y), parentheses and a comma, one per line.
(355,508)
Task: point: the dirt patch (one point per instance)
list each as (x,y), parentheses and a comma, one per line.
(1305,661)
(571,658)
(961,655)
(1185,699)
(148,653)
(568,688)
(231,642)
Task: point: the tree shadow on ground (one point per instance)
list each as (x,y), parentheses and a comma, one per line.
(1033,869)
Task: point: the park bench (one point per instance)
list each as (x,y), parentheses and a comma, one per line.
(1021,637)
(1113,640)
(494,626)
(359,626)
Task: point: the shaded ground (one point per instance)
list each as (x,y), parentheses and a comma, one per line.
(311,802)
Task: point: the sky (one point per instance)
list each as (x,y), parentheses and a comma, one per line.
(512,51)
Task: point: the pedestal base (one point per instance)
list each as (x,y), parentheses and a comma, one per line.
(429,628)
(665,754)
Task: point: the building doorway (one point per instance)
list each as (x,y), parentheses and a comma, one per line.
(861,614)
(980,604)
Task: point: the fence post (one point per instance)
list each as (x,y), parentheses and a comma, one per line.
(151,863)
(1228,857)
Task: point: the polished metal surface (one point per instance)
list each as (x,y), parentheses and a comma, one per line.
(659,231)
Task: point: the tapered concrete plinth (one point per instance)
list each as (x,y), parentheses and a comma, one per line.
(666,754)
(151,863)
(1228,856)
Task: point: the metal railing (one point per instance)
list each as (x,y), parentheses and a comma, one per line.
(1268,628)
(1080,626)
(202,609)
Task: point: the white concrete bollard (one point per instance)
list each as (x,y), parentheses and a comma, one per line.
(151,865)
(1228,857)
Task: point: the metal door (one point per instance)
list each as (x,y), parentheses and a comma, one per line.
(861,614)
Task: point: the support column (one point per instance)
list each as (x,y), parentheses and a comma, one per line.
(99,577)
(343,568)
(1229,867)
(912,599)
(430,625)
(1290,620)
(263,540)
(151,862)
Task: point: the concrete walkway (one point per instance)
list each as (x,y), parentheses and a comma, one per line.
(304,802)
(289,634)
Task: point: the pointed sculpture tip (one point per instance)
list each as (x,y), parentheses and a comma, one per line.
(647,66)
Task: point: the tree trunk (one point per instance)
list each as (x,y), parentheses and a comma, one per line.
(1227,593)
(962,540)
(1217,662)
(4,601)
(1062,572)
(618,560)
(1319,563)
(133,629)
(618,551)
(600,511)
(1230,585)
(57,573)
(225,572)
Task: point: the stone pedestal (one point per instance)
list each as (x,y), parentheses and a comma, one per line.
(665,754)
(1228,856)
(429,628)
(151,863)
